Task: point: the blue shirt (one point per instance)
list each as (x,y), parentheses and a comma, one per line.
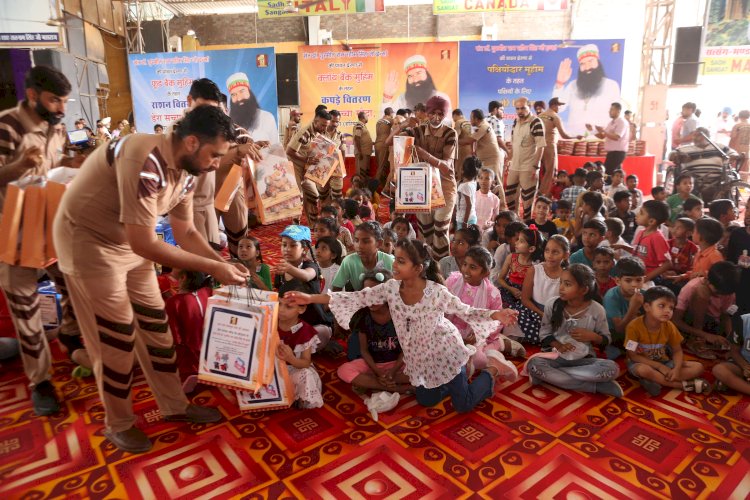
(579,257)
(744,340)
(617,307)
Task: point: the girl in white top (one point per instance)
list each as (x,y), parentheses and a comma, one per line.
(434,352)
(328,250)
(542,282)
(466,208)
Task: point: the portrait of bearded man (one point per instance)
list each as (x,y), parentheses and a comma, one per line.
(245,110)
(419,86)
(589,95)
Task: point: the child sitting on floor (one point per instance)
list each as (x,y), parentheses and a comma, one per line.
(623,302)
(248,254)
(495,236)
(572,324)
(185,312)
(463,239)
(604,261)
(682,252)
(381,367)
(389,241)
(591,236)
(328,227)
(648,342)
(613,237)
(562,218)
(649,244)
(735,373)
(503,251)
(708,232)
(692,209)
(328,252)
(418,302)
(299,341)
(529,249)
(344,235)
(471,285)
(704,309)
(541,284)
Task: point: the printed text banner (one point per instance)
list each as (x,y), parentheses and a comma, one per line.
(160,84)
(727,46)
(584,74)
(280,8)
(373,77)
(473,6)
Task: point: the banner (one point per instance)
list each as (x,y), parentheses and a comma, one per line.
(727,46)
(372,77)
(584,74)
(280,8)
(162,81)
(24,24)
(473,6)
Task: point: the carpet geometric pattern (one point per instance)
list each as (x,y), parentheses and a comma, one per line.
(525,442)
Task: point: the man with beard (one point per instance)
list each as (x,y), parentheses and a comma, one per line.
(436,143)
(298,151)
(31,143)
(590,94)
(106,245)
(245,111)
(293,126)
(526,154)
(553,130)
(362,145)
(382,131)
(419,86)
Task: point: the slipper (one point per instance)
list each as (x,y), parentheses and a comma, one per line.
(516,349)
(699,385)
(506,371)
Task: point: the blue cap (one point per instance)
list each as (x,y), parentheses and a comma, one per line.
(727,110)
(297,233)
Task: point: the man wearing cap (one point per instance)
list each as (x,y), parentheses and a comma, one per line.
(245,110)
(419,86)
(553,130)
(616,135)
(382,131)
(486,146)
(526,154)
(590,94)
(295,117)
(106,245)
(362,145)
(723,127)
(298,151)
(31,143)
(436,143)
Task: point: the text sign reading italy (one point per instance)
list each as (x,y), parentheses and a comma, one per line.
(584,74)
(280,8)
(162,81)
(464,6)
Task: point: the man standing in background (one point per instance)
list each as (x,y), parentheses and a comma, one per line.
(616,137)
(382,131)
(526,155)
(362,145)
(553,130)
(462,126)
(293,126)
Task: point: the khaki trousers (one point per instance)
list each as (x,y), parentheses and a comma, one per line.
(312,194)
(434,227)
(521,184)
(19,285)
(122,318)
(549,162)
(381,154)
(235,221)
(363,165)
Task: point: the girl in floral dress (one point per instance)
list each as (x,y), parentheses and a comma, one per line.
(435,355)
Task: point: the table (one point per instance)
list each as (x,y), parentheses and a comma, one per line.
(642,166)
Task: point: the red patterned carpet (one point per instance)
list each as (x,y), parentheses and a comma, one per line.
(526,442)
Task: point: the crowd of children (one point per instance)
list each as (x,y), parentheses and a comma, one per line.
(598,274)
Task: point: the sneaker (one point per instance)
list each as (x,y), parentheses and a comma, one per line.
(652,388)
(44,399)
(196,415)
(132,440)
(506,371)
(610,388)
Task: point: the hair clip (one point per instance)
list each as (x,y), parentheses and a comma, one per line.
(533,227)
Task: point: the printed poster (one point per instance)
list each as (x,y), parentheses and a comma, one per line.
(727,46)
(161,82)
(584,74)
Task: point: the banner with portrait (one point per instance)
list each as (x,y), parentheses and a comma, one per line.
(370,78)
(584,74)
(727,46)
(160,84)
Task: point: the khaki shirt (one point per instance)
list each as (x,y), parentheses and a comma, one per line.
(463,131)
(337,137)
(291,128)
(132,180)
(360,130)
(552,125)
(18,132)
(300,143)
(442,144)
(527,137)
(487,148)
(382,130)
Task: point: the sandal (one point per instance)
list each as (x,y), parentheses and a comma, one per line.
(506,371)
(513,348)
(699,385)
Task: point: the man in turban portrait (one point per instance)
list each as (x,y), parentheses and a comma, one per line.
(245,111)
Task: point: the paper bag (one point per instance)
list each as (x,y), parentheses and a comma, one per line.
(276,395)
(228,189)
(413,188)
(33,234)
(277,195)
(323,150)
(437,199)
(57,182)
(10,224)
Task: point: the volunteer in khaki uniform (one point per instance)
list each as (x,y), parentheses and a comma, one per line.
(363,145)
(462,126)
(31,143)
(382,131)
(105,239)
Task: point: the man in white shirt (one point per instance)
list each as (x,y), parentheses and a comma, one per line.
(616,137)
(723,128)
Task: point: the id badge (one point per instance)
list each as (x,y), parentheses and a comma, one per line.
(631,345)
